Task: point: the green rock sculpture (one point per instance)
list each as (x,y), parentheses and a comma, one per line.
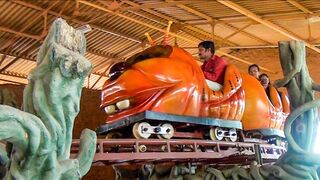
(7,97)
(41,134)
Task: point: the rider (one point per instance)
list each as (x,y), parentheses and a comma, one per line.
(213,66)
(254,70)
(265,82)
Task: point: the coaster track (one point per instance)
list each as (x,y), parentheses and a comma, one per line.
(139,151)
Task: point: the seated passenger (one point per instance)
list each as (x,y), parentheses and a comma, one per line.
(254,70)
(265,82)
(213,66)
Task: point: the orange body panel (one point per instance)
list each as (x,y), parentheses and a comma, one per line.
(260,111)
(172,82)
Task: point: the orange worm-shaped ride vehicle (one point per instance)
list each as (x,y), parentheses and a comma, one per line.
(167,81)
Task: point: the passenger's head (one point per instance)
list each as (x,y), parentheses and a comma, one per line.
(254,70)
(264,80)
(206,50)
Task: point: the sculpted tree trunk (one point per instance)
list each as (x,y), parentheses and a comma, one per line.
(41,135)
(300,88)
(7,97)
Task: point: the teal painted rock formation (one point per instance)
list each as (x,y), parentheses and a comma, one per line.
(41,134)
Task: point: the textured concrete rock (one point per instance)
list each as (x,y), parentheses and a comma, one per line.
(41,134)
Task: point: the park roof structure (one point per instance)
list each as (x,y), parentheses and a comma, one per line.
(245,31)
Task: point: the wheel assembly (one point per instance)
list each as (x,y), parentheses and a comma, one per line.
(233,135)
(167,131)
(141,130)
(216,133)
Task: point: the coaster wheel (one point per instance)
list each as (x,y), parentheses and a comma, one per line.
(233,136)
(169,130)
(216,133)
(140,130)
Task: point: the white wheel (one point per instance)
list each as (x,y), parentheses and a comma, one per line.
(169,131)
(140,130)
(216,133)
(233,135)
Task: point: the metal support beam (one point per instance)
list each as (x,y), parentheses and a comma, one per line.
(270,17)
(299,6)
(106,30)
(104,72)
(158,5)
(25,52)
(14,74)
(305,10)
(267,23)
(189,27)
(3,58)
(18,33)
(9,64)
(159,29)
(243,61)
(9,81)
(25,27)
(237,31)
(89,50)
(132,19)
(211,20)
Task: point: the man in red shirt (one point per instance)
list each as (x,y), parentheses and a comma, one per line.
(213,66)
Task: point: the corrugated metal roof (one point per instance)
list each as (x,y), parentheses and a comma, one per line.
(120,33)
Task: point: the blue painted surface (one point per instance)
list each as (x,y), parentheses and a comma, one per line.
(156,116)
(194,120)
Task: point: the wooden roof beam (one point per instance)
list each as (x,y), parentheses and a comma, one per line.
(267,23)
